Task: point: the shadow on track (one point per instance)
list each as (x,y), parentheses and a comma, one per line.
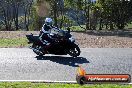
(64,60)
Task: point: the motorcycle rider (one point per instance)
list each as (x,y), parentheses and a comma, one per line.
(44,35)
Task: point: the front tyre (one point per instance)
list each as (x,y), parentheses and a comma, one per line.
(74,51)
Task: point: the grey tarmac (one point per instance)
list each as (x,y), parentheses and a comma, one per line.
(24,64)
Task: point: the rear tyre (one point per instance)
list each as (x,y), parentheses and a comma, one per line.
(37,50)
(74,51)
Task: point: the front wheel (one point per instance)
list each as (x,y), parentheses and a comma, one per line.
(74,51)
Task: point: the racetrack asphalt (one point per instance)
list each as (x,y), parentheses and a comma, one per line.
(24,64)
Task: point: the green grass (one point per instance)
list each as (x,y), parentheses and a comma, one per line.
(57,85)
(77,28)
(129,26)
(14,42)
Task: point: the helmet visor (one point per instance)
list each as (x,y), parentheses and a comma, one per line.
(48,23)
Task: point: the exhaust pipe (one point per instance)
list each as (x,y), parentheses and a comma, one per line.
(37,51)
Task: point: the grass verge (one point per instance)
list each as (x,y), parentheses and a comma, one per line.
(57,85)
(13,42)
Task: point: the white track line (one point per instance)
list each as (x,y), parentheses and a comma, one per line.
(38,81)
(49,81)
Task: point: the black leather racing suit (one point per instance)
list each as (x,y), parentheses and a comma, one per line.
(44,35)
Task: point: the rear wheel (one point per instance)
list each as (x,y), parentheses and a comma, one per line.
(74,51)
(36,49)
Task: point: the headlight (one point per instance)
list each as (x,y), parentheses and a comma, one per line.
(72,39)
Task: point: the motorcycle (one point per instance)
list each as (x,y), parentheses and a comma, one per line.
(64,44)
